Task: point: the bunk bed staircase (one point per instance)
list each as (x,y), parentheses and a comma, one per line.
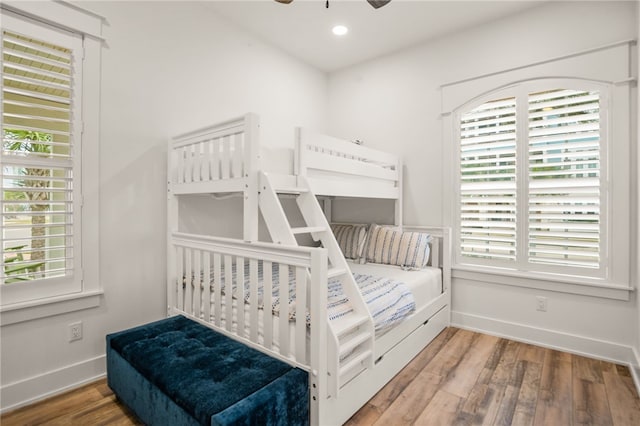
(353,333)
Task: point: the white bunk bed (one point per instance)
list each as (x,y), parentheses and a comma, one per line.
(346,361)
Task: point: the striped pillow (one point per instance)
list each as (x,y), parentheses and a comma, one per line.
(391,246)
(351,239)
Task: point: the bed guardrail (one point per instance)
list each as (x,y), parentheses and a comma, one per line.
(203,270)
(337,167)
(219,157)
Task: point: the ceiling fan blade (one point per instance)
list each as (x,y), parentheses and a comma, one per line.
(284,1)
(376,3)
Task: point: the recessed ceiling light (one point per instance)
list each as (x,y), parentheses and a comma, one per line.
(340,30)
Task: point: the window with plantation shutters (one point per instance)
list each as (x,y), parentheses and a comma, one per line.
(564,178)
(488,181)
(40,162)
(530,181)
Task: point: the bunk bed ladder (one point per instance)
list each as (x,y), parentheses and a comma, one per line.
(352,337)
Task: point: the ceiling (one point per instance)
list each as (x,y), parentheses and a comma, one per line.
(303,28)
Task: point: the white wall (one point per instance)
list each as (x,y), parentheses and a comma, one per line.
(168,67)
(394,103)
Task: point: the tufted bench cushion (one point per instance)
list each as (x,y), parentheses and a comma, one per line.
(211,379)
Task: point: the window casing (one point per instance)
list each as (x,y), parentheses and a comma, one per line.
(50,126)
(41,159)
(610,71)
(531,185)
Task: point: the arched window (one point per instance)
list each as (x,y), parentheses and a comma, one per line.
(539,174)
(531,178)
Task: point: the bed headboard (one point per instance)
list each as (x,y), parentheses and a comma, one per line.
(337,167)
(440,249)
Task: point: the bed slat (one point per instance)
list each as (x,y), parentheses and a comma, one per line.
(188,302)
(180,278)
(268,303)
(238,154)
(283,321)
(215,159)
(217,293)
(301,313)
(253,300)
(197,283)
(225,158)
(240,295)
(228,285)
(206,291)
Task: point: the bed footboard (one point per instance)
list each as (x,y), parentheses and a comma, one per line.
(264,295)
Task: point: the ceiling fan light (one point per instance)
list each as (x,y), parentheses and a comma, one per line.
(340,30)
(284,1)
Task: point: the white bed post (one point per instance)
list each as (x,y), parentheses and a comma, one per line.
(251,164)
(318,358)
(299,153)
(398,208)
(446,267)
(172,226)
(327,208)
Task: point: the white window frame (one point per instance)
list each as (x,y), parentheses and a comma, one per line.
(605,67)
(22,304)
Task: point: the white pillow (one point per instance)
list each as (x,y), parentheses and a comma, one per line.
(391,246)
(351,239)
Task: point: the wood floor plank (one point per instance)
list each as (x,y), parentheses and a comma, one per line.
(624,403)
(518,384)
(590,405)
(506,364)
(441,410)
(531,353)
(507,407)
(406,408)
(506,411)
(586,369)
(555,397)
(367,415)
(621,370)
(482,405)
(461,379)
(525,410)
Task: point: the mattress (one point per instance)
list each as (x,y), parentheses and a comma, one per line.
(425,284)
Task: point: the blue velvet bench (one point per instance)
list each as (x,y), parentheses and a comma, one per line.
(178,372)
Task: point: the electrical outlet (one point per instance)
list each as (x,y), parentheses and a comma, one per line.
(541,304)
(75,331)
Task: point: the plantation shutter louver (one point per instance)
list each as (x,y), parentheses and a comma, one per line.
(488,181)
(39,206)
(564,178)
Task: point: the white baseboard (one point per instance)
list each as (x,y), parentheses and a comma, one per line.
(33,389)
(580,345)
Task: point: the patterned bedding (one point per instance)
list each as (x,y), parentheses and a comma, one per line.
(388,300)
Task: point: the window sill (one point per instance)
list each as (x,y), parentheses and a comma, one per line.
(27,311)
(571,285)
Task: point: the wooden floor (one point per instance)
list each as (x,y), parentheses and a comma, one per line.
(461,378)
